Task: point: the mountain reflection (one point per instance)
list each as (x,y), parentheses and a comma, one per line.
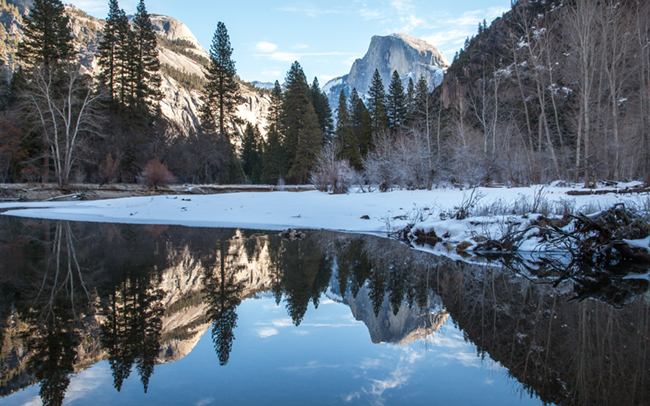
(72,294)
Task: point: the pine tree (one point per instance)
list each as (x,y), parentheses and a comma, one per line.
(125,64)
(422,103)
(302,136)
(48,40)
(251,155)
(356,108)
(273,156)
(365,134)
(323,111)
(147,66)
(345,134)
(377,103)
(221,94)
(396,105)
(110,47)
(410,103)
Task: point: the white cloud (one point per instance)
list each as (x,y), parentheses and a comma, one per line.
(264,46)
(402,6)
(286,322)
(285,56)
(409,23)
(397,378)
(370,14)
(370,363)
(310,10)
(267,332)
(352,396)
(205,401)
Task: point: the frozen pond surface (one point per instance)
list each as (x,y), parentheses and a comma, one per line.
(95,313)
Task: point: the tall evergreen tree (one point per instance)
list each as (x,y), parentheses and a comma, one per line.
(396,105)
(345,134)
(323,111)
(422,103)
(302,136)
(110,48)
(410,103)
(274,157)
(251,153)
(377,103)
(221,94)
(125,63)
(48,40)
(147,77)
(356,111)
(365,134)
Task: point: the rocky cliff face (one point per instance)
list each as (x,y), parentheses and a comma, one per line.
(180,103)
(409,56)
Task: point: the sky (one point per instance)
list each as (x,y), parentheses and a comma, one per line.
(324,36)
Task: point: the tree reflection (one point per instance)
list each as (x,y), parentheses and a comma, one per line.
(305,274)
(53,305)
(132,328)
(223,295)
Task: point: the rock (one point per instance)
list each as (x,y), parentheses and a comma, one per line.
(409,56)
(463,246)
(546,222)
(292,235)
(365,217)
(429,238)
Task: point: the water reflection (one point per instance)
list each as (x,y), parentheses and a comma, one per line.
(73,294)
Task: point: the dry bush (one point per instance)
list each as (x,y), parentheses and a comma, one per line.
(330,174)
(156,174)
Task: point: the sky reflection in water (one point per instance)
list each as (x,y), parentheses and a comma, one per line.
(327,360)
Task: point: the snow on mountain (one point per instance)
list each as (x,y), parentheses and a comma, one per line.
(410,57)
(263,85)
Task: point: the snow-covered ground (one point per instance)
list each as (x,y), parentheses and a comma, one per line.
(316,210)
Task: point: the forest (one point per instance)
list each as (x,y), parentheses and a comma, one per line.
(551,91)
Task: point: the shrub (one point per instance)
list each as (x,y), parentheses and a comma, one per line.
(330,174)
(156,174)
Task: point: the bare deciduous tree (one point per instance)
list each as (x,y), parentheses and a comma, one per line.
(64,104)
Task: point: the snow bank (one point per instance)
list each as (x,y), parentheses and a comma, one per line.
(307,210)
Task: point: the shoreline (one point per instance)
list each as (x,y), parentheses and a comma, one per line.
(372,213)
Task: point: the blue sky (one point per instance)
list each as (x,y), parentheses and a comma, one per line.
(325,37)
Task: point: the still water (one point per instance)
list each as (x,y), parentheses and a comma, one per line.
(130,314)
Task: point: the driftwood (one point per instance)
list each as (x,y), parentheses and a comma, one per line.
(598,239)
(627,190)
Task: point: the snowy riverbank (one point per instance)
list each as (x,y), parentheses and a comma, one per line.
(370,213)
